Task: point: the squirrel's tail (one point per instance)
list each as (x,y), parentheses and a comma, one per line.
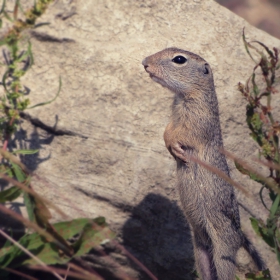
(249,247)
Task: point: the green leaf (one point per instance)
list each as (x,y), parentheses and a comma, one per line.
(10,194)
(25,54)
(48,102)
(100,221)
(261,275)
(277,241)
(277,235)
(30,206)
(256,122)
(272,196)
(5,260)
(255,225)
(71,228)
(247,45)
(9,254)
(262,231)
(4,81)
(30,54)
(19,174)
(274,206)
(92,236)
(26,152)
(277,249)
(49,254)
(255,87)
(94,232)
(9,172)
(5,251)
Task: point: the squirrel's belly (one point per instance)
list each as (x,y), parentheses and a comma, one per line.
(193,203)
(199,195)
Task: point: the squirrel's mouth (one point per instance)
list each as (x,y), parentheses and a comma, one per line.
(152,76)
(155,78)
(158,80)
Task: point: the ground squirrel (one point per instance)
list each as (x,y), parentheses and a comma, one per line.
(208,201)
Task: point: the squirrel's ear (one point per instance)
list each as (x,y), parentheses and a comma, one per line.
(206,69)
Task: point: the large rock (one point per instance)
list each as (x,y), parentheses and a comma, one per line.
(118,166)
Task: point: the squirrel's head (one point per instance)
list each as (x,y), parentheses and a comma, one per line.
(181,71)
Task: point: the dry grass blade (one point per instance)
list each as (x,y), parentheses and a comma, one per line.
(221,174)
(85,274)
(20,274)
(78,268)
(65,276)
(142,266)
(30,254)
(14,159)
(268,164)
(270,183)
(31,225)
(32,192)
(66,272)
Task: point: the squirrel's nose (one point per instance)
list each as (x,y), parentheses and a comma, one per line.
(144,62)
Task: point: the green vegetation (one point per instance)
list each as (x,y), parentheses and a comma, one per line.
(258,92)
(44,243)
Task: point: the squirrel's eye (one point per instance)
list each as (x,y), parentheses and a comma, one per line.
(206,71)
(179,59)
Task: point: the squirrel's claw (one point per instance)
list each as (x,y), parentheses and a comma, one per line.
(177,152)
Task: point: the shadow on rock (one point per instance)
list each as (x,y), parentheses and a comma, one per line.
(35,141)
(21,141)
(157,234)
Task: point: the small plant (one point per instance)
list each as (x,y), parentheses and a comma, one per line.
(258,92)
(261,275)
(46,243)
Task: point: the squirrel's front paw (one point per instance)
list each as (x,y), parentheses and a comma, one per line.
(178,151)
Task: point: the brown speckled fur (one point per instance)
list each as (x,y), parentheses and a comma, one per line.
(208,201)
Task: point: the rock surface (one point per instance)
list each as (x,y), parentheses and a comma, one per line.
(118,166)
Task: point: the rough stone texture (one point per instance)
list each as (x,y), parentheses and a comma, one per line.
(122,170)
